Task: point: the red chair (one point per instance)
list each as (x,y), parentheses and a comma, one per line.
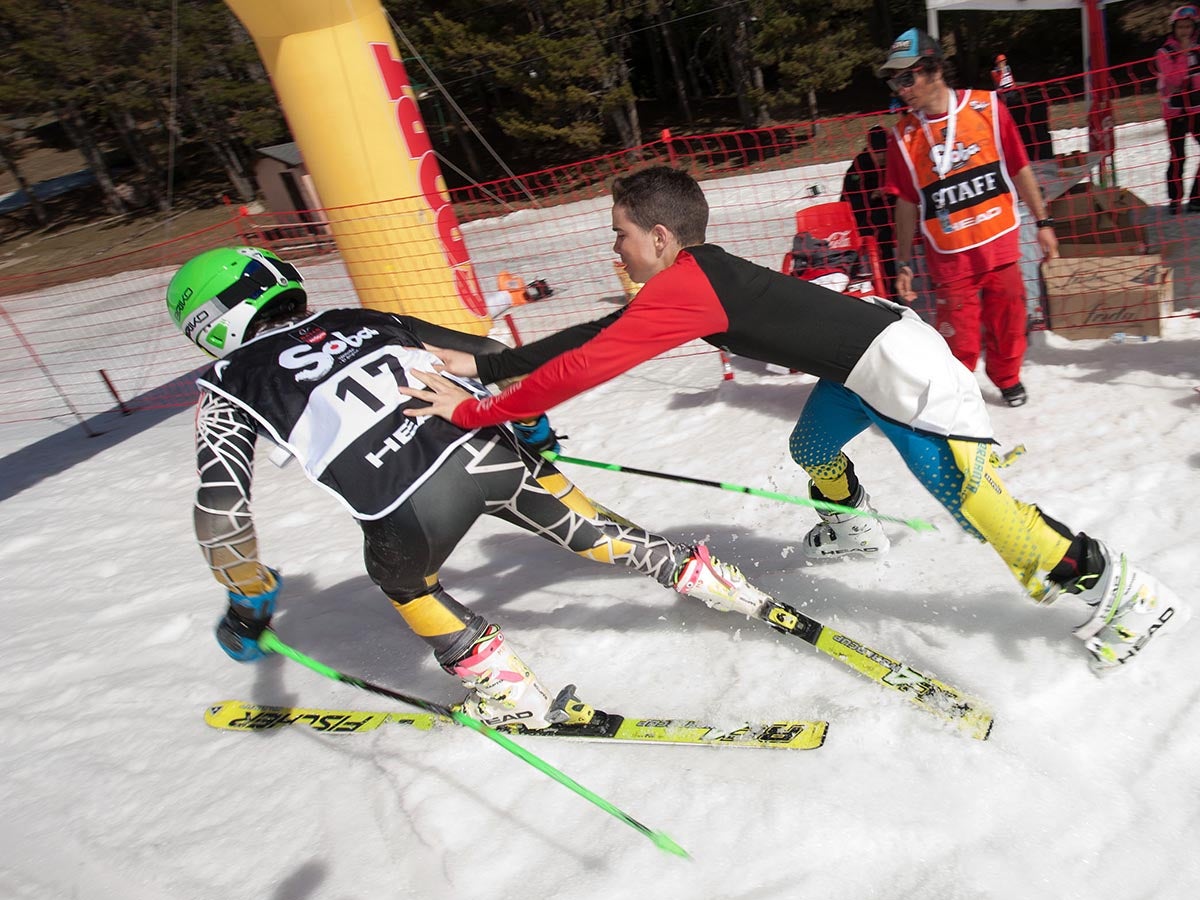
(834,223)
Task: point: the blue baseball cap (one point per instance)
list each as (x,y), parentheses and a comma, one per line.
(909,49)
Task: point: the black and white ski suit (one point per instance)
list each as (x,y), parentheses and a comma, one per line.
(324,390)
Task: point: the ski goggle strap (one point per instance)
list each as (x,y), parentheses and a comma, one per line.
(259,275)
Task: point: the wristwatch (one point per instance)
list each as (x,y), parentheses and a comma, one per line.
(1047,222)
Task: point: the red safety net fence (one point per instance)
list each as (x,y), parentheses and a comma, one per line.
(89,338)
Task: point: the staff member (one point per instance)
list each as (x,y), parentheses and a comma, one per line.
(957,166)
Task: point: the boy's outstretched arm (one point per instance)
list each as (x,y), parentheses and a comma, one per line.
(432,335)
(517,361)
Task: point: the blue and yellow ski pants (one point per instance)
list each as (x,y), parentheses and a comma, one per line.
(960,473)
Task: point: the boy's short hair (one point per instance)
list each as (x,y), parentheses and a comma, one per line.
(664,196)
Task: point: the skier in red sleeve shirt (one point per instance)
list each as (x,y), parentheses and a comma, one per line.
(956,167)
(878,364)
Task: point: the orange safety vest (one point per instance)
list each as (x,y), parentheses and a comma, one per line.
(972,201)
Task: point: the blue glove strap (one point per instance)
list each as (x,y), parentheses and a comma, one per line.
(261,606)
(537,435)
(237,646)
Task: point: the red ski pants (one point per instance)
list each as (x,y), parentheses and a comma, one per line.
(986,313)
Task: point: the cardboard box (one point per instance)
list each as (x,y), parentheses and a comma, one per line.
(1073,251)
(1128,212)
(1098,296)
(1099,218)
(1075,160)
(1179,255)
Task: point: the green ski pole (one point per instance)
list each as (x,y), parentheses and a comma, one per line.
(914,524)
(271,643)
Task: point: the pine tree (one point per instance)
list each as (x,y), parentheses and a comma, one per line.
(814,46)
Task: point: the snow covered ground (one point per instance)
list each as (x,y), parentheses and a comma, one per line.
(115,789)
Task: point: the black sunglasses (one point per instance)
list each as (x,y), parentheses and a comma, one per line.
(905,79)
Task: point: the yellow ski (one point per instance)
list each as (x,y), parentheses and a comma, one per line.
(947,703)
(789,734)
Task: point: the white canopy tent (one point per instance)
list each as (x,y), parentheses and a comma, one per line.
(933,7)
(1095,53)
(1095,56)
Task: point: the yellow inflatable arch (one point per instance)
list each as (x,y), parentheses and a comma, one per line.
(347,99)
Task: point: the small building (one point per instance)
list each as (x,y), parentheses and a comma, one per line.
(284,180)
(294,216)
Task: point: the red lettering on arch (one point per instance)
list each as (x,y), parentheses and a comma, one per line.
(429,177)
(433,186)
(416,138)
(468,291)
(395,78)
(451,237)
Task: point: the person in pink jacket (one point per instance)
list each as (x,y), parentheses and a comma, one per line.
(1178,66)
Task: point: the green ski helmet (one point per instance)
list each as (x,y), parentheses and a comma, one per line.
(214,297)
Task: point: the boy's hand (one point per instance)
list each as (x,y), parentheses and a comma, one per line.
(442,395)
(456,362)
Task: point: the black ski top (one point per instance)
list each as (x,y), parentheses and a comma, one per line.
(325,389)
(707,294)
(881,351)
